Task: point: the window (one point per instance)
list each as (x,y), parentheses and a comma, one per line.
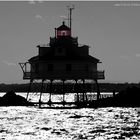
(63,33)
(68,67)
(50,67)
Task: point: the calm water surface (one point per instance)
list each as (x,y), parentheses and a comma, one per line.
(30,123)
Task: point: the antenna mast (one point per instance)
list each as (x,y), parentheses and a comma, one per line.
(70,15)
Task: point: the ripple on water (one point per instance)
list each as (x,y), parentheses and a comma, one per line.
(40,124)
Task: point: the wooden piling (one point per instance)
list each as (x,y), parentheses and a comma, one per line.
(50,94)
(29,88)
(41,93)
(113,93)
(76,89)
(63,90)
(98,89)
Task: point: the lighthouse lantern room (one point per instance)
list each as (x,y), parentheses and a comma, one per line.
(63,30)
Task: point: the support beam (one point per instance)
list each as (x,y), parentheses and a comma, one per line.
(41,93)
(83,90)
(98,89)
(76,89)
(63,90)
(29,88)
(113,93)
(50,100)
(22,65)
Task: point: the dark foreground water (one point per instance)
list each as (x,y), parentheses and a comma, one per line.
(30,123)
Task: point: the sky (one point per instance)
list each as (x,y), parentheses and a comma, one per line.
(111,29)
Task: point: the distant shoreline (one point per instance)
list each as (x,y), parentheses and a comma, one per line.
(128,97)
(104,87)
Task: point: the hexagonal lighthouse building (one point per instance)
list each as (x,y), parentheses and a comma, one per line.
(63,59)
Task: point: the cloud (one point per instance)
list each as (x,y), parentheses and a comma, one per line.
(124,57)
(64,17)
(33,2)
(137,54)
(38,16)
(40,1)
(9,63)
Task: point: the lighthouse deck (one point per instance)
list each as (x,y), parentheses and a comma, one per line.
(66,75)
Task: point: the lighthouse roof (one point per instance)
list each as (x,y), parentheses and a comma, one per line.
(65,58)
(63,27)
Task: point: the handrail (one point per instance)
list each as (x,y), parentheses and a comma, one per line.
(92,74)
(23,66)
(27,74)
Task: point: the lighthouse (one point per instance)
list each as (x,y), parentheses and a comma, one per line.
(63,59)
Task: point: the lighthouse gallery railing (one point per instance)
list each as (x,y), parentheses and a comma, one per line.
(28,74)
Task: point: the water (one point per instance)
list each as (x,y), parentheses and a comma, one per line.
(32,123)
(29,123)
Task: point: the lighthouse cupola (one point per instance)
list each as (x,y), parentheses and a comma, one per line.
(63,31)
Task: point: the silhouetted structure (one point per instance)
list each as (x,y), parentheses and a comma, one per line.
(63,59)
(11,99)
(128,97)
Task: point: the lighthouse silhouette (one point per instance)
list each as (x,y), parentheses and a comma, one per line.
(63,59)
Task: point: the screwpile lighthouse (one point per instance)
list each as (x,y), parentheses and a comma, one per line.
(63,59)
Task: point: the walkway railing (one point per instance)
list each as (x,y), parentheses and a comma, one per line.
(58,74)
